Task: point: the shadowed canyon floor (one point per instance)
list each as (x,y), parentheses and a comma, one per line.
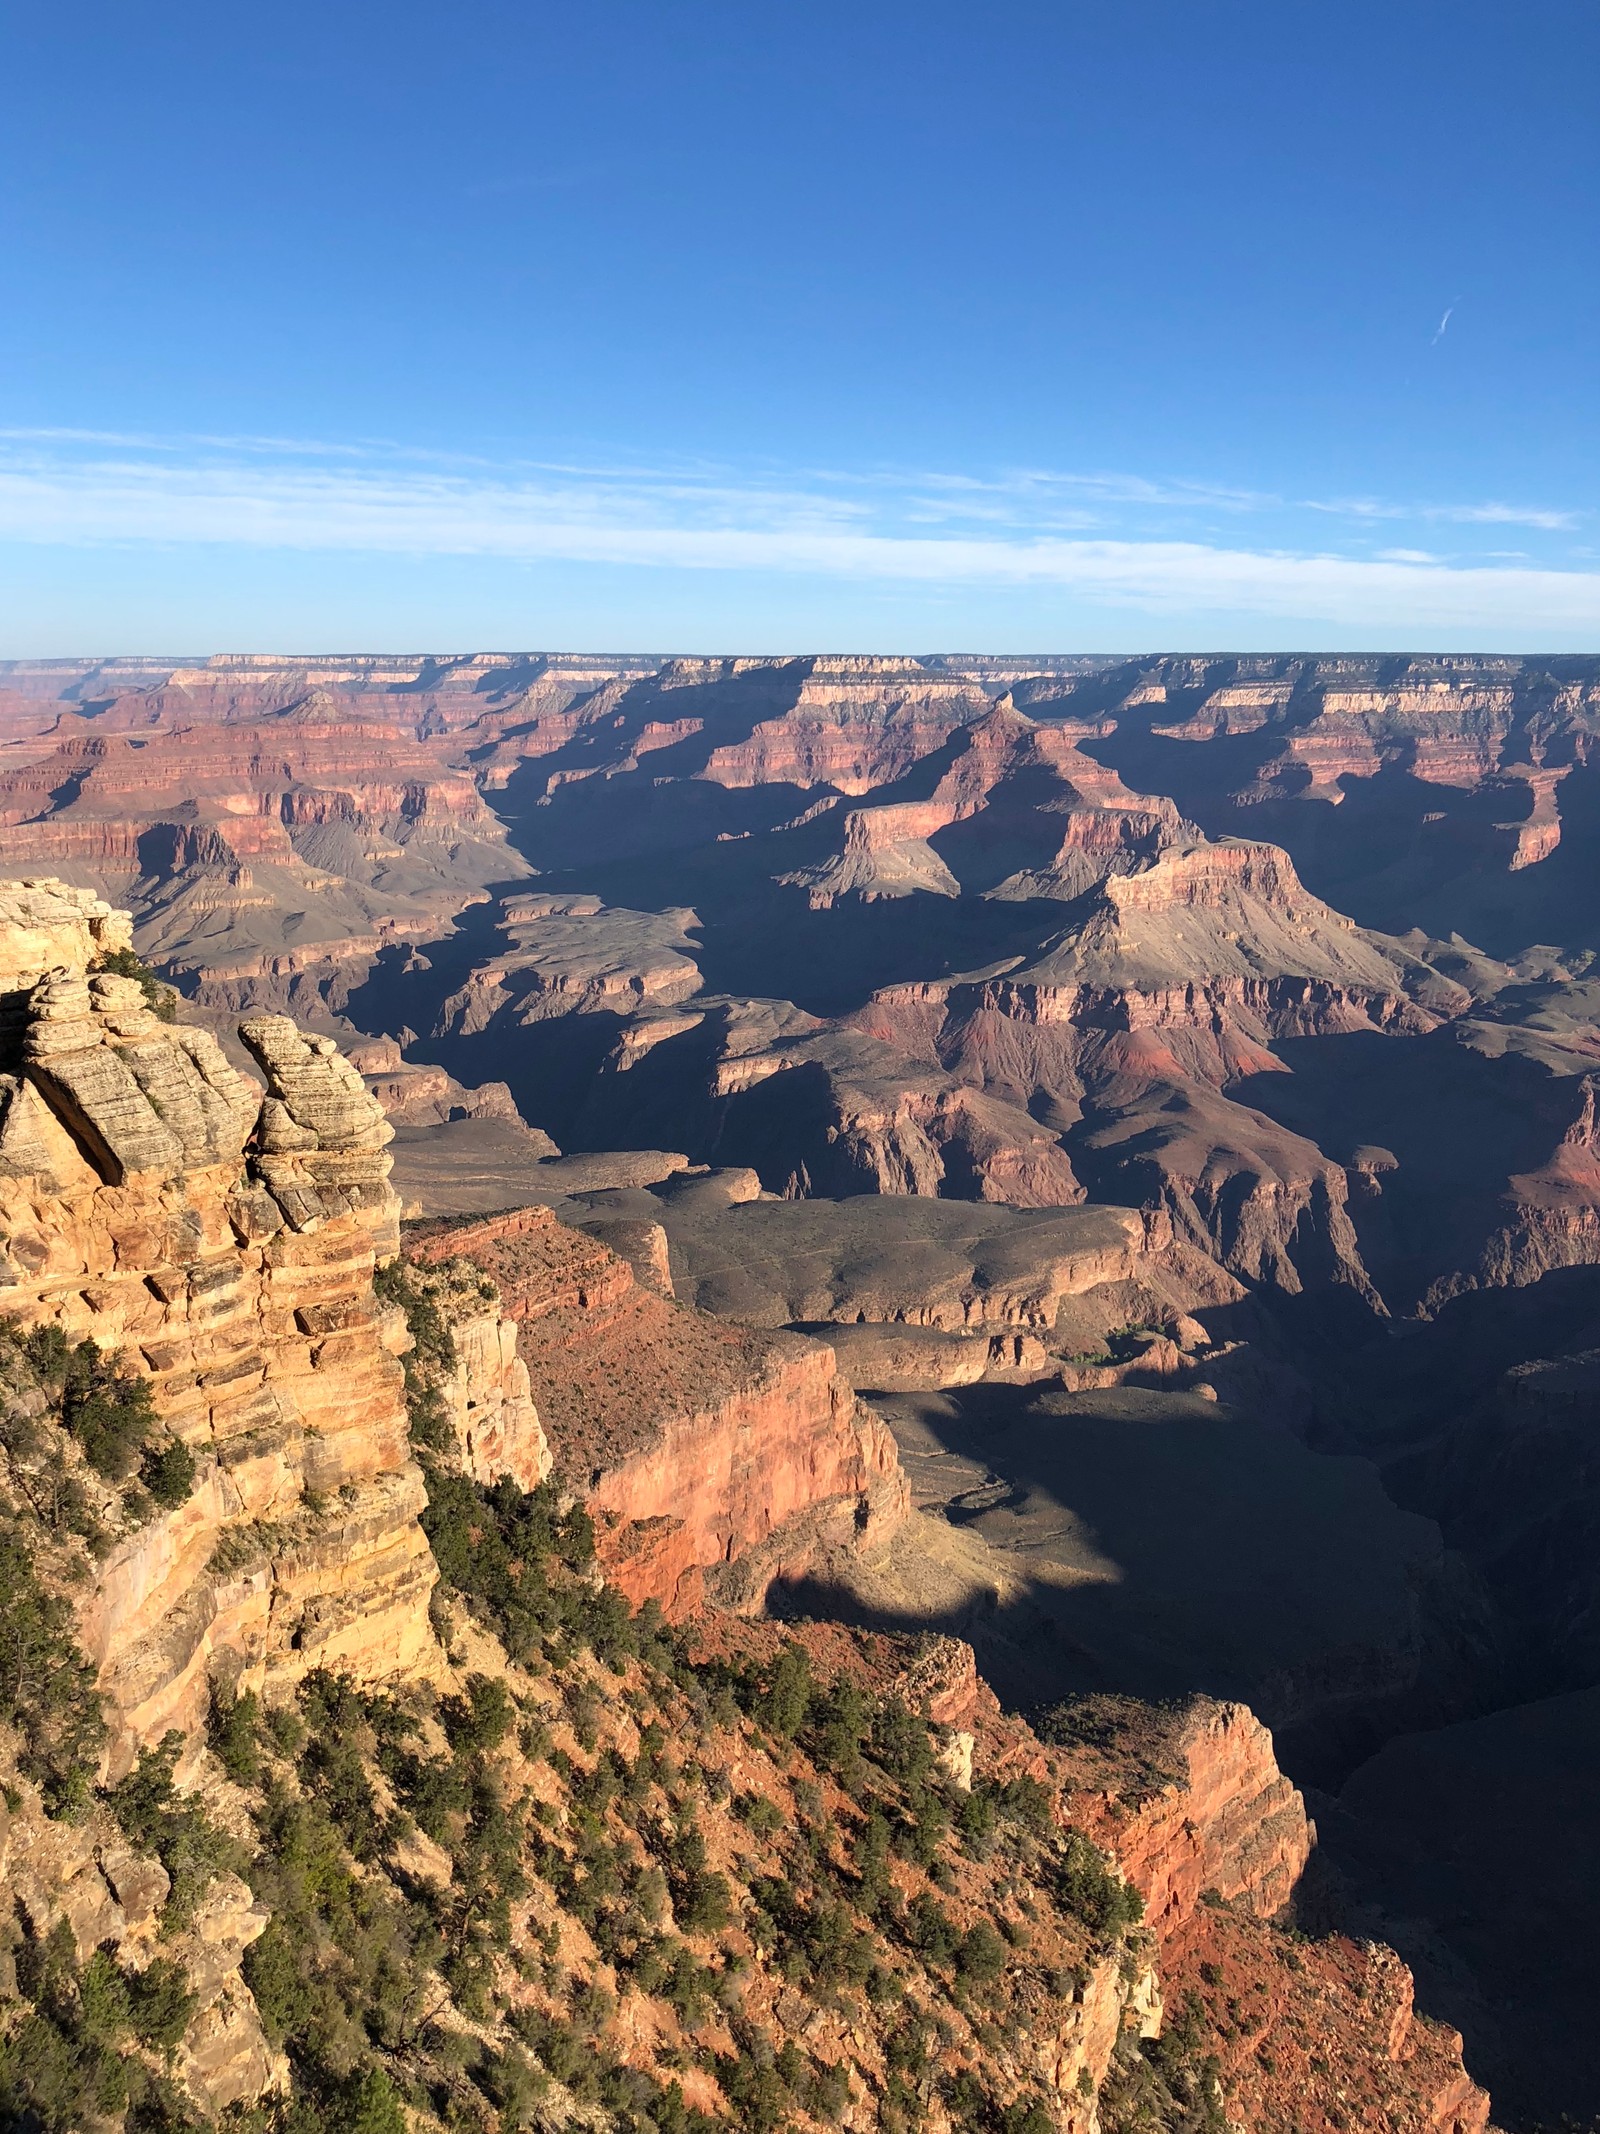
(1134,1538)
(1167,1086)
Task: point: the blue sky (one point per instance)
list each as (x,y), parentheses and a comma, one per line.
(883,326)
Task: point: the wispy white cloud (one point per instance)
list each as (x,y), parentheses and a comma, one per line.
(1490,514)
(85,488)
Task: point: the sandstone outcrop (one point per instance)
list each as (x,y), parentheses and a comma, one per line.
(483,1385)
(958,1267)
(222,1235)
(87,1877)
(1125,976)
(415,1094)
(1026,792)
(1216,1814)
(222,1239)
(951,953)
(48,924)
(1462,771)
(1216,1839)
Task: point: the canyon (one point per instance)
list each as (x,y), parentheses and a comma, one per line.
(248,1508)
(1090,1163)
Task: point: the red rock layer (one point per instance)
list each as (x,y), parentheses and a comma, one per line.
(714,1457)
(256,852)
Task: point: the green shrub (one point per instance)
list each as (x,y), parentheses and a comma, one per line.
(432,1355)
(758,2093)
(47,1687)
(168,1473)
(929,1824)
(160,2003)
(66,2064)
(976,1816)
(819,1939)
(1168,2084)
(980,1955)
(156,1819)
(275,1971)
(127,963)
(929,1931)
(872,1862)
(900,1743)
(480,1720)
(1083,1880)
(233,1729)
(839,1722)
(1026,1801)
(433,1790)
(496,1547)
(109,1412)
(787,1698)
(105,2007)
(764,1817)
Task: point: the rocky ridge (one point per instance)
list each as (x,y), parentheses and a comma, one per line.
(1080,822)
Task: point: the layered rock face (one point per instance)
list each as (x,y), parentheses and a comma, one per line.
(1191,964)
(217,830)
(951,1268)
(853,723)
(109,1895)
(49,926)
(561,963)
(131,1214)
(1018,789)
(1439,787)
(717,1459)
(1003,885)
(1225,1820)
(1216,1839)
(1171,986)
(481,1383)
(415,1095)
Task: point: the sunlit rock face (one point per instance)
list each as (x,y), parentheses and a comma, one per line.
(221,1236)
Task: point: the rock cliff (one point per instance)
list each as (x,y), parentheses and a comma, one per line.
(215,831)
(221,1238)
(714,1458)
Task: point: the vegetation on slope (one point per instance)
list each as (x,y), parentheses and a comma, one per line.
(593,1876)
(82,1454)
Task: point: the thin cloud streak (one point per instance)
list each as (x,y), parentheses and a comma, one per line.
(1022,497)
(1492,514)
(679,524)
